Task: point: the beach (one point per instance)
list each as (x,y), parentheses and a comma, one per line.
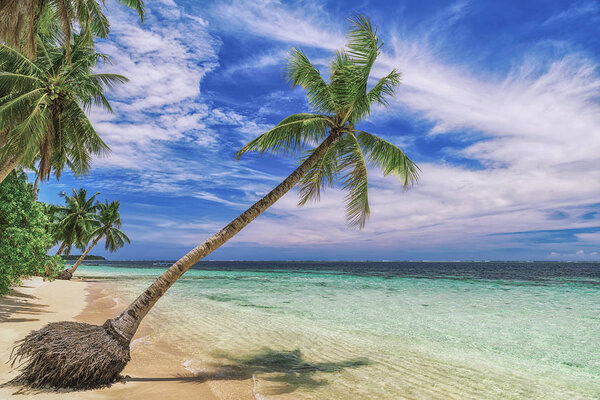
(155,369)
(239,330)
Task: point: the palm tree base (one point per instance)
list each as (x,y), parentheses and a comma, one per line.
(64,275)
(71,355)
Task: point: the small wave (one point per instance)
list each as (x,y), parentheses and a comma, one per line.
(140,341)
(116,300)
(188,367)
(257,395)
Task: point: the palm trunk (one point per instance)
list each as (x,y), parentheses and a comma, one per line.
(35,187)
(127,323)
(8,166)
(62,248)
(85,253)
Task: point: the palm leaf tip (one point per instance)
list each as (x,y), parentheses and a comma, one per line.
(389,158)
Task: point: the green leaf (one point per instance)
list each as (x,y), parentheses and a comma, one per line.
(389,158)
(356,182)
(290,136)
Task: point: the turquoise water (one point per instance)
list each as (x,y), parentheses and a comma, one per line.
(380,331)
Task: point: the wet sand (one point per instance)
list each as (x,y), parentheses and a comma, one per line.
(156,369)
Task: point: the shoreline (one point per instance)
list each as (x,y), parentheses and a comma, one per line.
(157,370)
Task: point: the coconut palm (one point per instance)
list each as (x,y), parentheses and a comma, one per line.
(78,220)
(21,20)
(55,215)
(107,226)
(42,110)
(98,354)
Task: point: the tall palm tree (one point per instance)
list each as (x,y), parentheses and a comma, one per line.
(42,110)
(78,220)
(21,20)
(341,149)
(107,226)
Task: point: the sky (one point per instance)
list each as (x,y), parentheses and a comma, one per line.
(499,106)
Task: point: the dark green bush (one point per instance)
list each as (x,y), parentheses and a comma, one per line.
(24,242)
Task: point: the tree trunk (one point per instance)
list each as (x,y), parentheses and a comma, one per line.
(62,248)
(35,187)
(85,253)
(8,166)
(127,323)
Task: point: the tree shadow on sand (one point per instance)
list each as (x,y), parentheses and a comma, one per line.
(284,371)
(16,302)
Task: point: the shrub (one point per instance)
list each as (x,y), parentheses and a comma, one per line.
(24,242)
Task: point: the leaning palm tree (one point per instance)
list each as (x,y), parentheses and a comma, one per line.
(91,355)
(107,226)
(21,20)
(43,105)
(78,219)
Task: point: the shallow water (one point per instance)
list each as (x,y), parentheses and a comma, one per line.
(383,330)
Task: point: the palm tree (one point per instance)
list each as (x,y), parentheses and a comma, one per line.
(78,220)
(42,110)
(109,222)
(342,149)
(55,215)
(21,20)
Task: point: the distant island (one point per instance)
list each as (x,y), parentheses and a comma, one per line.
(73,257)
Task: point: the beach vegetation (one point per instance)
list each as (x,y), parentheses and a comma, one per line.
(104,225)
(43,104)
(24,237)
(74,221)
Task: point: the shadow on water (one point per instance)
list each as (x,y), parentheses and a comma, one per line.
(287,370)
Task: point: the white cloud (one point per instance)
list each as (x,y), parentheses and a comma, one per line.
(271,18)
(541,122)
(589,238)
(542,149)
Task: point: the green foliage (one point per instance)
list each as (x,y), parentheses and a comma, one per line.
(291,135)
(24,240)
(343,102)
(24,20)
(109,220)
(76,220)
(43,104)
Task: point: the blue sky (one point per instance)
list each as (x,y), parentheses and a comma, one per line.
(500,107)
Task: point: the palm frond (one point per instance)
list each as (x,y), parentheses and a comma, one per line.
(363,44)
(321,175)
(385,87)
(300,72)
(355,182)
(290,136)
(137,5)
(389,158)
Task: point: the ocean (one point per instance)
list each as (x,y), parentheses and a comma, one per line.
(380,330)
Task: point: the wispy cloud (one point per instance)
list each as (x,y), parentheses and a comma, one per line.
(531,127)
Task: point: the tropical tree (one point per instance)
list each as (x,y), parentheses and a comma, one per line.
(43,104)
(21,20)
(107,227)
(24,240)
(78,220)
(55,215)
(98,354)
